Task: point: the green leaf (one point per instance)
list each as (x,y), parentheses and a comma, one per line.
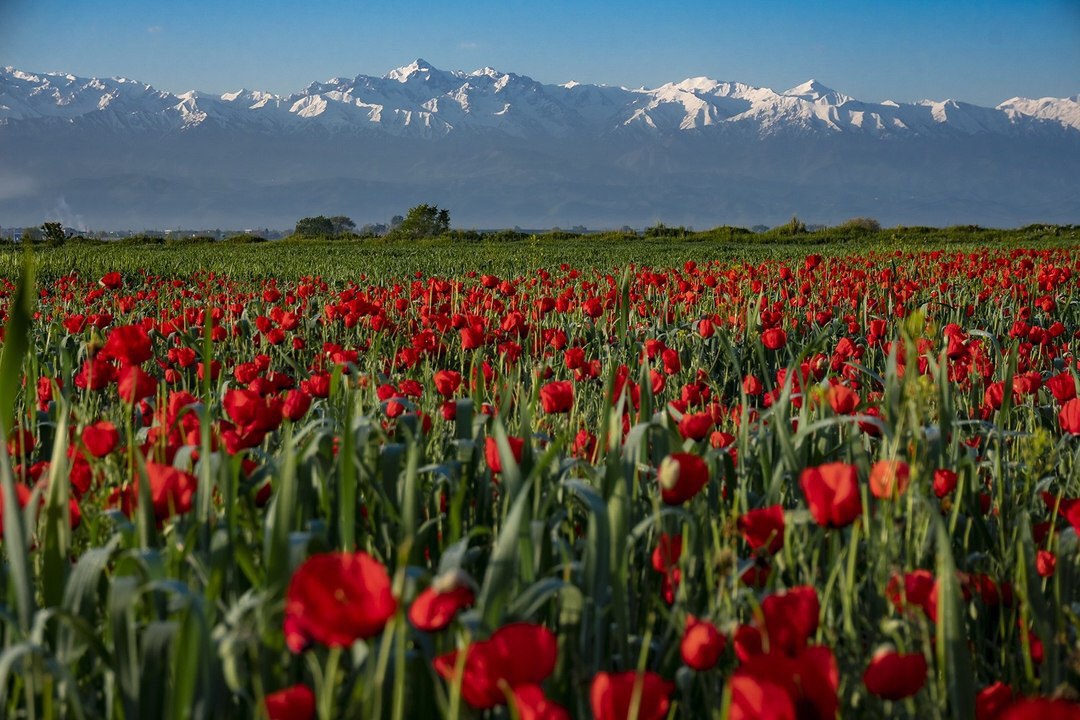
(16,345)
(500,579)
(280,518)
(1029,586)
(954,666)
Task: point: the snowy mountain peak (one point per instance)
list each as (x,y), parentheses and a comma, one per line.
(421,100)
(1065,111)
(692,151)
(417,68)
(697,84)
(817,92)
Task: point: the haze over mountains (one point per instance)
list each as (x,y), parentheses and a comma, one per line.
(500,149)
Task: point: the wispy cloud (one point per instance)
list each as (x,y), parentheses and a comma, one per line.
(466,45)
(154,29)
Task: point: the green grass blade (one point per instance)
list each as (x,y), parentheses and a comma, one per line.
(953,659)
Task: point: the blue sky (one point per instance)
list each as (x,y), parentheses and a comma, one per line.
(978,51)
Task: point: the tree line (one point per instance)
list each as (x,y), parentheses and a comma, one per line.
(421,221)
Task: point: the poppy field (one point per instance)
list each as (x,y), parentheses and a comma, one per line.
(793,485)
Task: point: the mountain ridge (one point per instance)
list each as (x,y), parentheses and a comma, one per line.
(420,99)
(501,149)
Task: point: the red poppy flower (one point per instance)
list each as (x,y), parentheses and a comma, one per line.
(1041,709)
(682,476)
(129,344)
(701,645)
(111,280)
(695,426)
(171,490)
(514,655)
(292,703)
(671,360)
(777,686)
(914,589)
(574,358)
(22,493)
(944,482)
(843,400)
(100,438)
(447,382)
(895,676)
(791,618)
(297,403)
(1062,387)
(832,493)
(20,441)
(665,559)
(751,385)
(1045,563)
(96,373)
(336,599)
(318,385)
(135,385)
(557,397)
(531,704)
(763,528)
(758,698)
(774,338)
(242,406)
(435,608)
(889,478)
(611,694)
(491,452)
(992,700)
(1069,417)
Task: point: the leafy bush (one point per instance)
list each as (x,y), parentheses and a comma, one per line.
(860,225)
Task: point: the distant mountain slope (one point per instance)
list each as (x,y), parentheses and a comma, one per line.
(500,148)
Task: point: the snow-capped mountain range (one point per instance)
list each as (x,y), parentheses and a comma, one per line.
(500,148)
(419,99)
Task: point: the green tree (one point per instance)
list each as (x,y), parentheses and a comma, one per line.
(424,221)
(53,233)
(319,226)
(342,224)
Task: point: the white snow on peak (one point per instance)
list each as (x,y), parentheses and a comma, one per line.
(1065,111)
(419,99)
(817,92)
(697,84)
(418,67)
